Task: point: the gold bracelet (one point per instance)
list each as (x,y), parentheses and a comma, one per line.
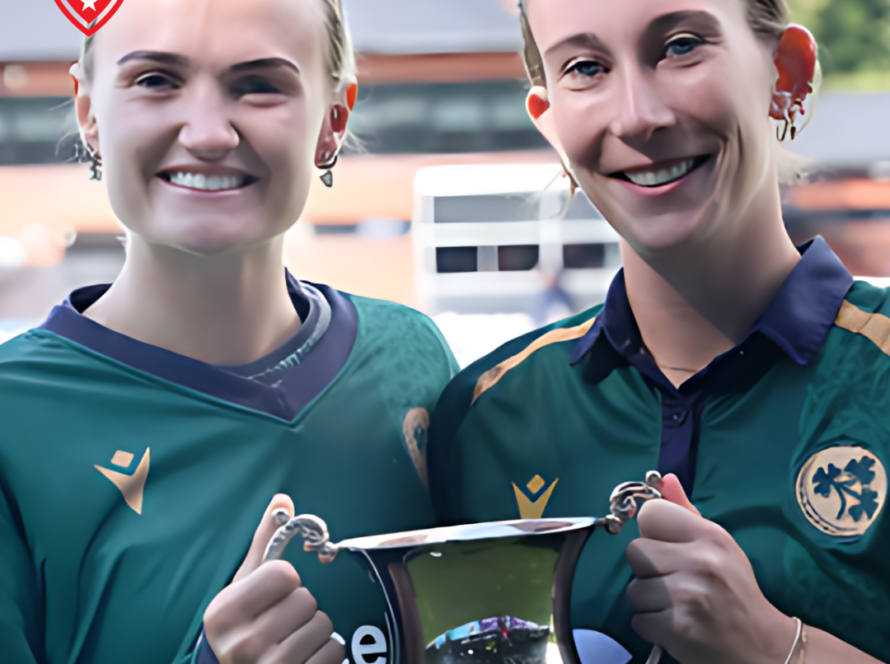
(802,656)
(796,640)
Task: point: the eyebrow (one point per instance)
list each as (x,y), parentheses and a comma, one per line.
(265,63)
(662,23)
(701,19)
(182,61)
(156,56)
(581,40)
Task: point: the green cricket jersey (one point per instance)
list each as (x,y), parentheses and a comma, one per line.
(784,441)
(132,479)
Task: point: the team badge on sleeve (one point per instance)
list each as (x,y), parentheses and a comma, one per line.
(414,427)
(842,490)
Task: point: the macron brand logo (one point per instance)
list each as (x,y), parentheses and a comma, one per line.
(533,506)
(131,486)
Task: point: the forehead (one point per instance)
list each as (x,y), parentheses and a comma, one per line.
(554,20)
(218,32)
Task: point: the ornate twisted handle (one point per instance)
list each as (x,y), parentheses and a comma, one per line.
(315,536)
(623,505)
(623,501)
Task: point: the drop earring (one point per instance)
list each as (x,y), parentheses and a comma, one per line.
(95,164)
(328,176)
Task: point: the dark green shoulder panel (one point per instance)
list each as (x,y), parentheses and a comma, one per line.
(476,379)
(36,350)
(847,395)
(865,312)
(869,298)
(386,322)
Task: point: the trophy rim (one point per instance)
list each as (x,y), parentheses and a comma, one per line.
(471,532)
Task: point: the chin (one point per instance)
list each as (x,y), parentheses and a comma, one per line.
(663,232)
(208,242)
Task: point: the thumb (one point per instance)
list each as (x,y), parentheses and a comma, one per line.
(673,492)
(264,532)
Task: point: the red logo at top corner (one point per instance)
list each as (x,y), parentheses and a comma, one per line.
(89,15)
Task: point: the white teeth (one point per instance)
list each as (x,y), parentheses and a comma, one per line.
(207,182)
(663,176)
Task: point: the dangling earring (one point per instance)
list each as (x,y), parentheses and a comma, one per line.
(797,66)
(328,176)
(95,164)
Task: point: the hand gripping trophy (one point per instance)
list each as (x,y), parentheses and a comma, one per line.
(487,592)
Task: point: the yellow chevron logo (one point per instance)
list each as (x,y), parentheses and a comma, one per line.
(529,508)
(131,486)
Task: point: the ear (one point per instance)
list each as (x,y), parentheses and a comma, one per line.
(83,108)
(333,129)
(537,103)
(796,63)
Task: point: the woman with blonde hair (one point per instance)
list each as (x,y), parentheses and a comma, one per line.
(147,425)
(753,374)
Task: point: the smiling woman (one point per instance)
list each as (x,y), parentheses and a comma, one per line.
(207,381)
(746,370)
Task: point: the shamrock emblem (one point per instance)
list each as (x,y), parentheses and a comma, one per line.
(851,483)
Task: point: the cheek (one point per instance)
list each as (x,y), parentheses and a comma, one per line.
(286,146)
(579,125)
(133,147)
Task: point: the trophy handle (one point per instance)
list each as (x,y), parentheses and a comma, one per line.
(623,505)
(315,536)
(623,501)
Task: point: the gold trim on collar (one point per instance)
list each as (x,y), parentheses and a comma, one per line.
(874,327)
(491,377)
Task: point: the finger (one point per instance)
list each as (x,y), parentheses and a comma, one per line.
(650,595)
(264,532)
(665,521)
(286,617)
(652,558)
(313,638)
(674,492)
(655,627)
(332,652)
(245,601)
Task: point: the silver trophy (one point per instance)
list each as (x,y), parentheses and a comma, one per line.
(484,593)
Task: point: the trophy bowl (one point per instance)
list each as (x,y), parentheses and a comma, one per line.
(483,593)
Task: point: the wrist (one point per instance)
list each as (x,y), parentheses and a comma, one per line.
(799,654)
(777,640)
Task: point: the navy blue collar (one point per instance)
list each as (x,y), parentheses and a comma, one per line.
(303,380)
(797,321)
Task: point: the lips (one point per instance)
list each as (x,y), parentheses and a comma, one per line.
(207,181)
(662,174)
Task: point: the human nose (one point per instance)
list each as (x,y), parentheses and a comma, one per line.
(207,130)
(641,108)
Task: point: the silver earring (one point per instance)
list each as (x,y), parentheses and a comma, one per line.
(328,176)
(95,164)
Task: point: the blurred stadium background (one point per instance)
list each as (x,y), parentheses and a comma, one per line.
(481,243)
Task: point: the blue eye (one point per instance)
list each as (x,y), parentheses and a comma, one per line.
(682,46)
(588,68)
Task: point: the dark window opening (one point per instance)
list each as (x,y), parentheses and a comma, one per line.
(518,257)
(456,259)
(580,256)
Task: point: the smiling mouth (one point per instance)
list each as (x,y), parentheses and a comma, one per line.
(657,177)
(202,182)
